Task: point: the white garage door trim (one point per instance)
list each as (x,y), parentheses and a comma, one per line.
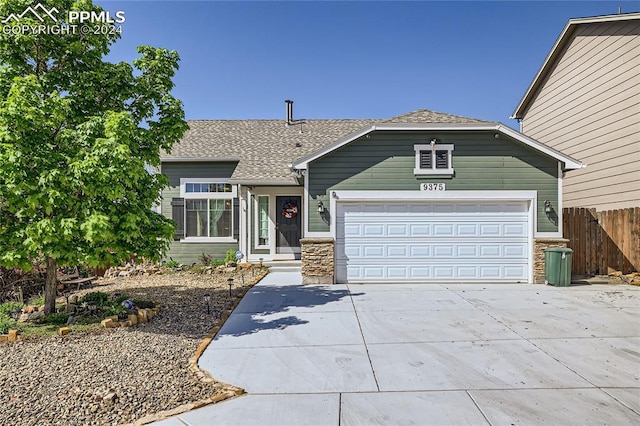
(530,197)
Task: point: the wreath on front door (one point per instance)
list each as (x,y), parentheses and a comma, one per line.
(289,210)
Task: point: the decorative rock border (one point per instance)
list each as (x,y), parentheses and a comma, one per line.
(230,390)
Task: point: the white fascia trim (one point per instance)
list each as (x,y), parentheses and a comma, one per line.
(303,162)
(570,163)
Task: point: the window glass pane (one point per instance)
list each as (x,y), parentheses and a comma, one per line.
(189,187)
(196,218)
(220,218)
(426,160)
(442,159)
(263,221)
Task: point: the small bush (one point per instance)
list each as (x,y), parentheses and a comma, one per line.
(217,262)
(97,297)
(58,318)
(6,324)
(172,264)
(118,300)
(143,304)
(205,259)
(118,310)
(37,301)
(8,307)
(230,256)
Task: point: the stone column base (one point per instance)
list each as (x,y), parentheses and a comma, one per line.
(539,246)
(317,260)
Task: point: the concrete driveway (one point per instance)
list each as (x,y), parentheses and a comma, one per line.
(427,354)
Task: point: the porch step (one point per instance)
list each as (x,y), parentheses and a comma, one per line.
(284,266)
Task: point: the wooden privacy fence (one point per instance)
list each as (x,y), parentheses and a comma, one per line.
(603,242)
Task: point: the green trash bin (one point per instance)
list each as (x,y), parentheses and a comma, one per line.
(557,266)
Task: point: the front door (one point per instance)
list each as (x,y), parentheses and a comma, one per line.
(288,224)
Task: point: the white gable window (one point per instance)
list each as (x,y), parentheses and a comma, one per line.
(208,209)
(433,159)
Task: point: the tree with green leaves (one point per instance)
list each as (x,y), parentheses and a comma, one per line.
(77,137)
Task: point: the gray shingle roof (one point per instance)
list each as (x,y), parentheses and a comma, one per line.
(265,147)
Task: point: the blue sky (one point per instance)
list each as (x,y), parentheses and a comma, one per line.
(351,59)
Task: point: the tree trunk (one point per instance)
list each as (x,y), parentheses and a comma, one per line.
(50,285)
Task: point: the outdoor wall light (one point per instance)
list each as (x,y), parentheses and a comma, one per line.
(320,207)
(547,206)
(207,298)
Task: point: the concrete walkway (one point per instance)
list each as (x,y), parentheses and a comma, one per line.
(427,354)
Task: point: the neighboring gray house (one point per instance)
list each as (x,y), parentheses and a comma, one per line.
(585,101)
(423,197)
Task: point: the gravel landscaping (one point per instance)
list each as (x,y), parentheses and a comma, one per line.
(121,375)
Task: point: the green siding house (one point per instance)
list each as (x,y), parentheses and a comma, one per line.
(421,197)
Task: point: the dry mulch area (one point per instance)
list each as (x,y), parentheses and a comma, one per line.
(122,375)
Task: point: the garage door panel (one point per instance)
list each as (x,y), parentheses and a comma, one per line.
(421,273)
(379,251)
(432,241)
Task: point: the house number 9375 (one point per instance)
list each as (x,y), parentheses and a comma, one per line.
(432,187)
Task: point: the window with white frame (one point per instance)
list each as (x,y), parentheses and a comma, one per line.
(433,159)
(262,218)
(208,208)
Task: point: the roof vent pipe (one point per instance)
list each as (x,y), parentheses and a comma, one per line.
(289,112)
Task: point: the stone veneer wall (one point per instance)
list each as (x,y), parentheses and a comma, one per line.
(539,246)
(317,260)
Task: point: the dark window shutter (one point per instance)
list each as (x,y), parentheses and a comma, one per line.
(442,159)
(177,214)
(425,160)
(236,218)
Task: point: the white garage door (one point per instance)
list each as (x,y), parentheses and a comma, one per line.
(436,241)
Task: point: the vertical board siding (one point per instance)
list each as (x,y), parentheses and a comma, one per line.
(589,108)
(604,241)
(385,161)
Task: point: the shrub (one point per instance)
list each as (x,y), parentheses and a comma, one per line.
(8,307)
(58,318)
(205,259)
(217,262)
(118,300)
(143,304)
(230,256)
(97,297)
(6,324)
(118,310)
(37,301)
(171,264)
